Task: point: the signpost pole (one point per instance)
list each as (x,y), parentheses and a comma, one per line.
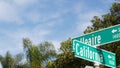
(96,65)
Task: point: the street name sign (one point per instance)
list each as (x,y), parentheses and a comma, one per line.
(90,53)
(101,37)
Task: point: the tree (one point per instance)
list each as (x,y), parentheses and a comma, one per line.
(38,55)
(66,46)
(66,59)
(51,64)
(32,53)
(9,61)
(47,50)
(107,20)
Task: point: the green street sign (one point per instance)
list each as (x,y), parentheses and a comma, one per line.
(101,37)
(90,53)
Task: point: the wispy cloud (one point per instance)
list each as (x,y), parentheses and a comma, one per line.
(56,44)
(84,16)
(24,3)
(107,1)
(14,11)
(35,34)
(8,13)
(89,15)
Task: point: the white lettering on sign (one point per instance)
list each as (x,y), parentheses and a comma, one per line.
(94,40)
(87,53)
(115,36)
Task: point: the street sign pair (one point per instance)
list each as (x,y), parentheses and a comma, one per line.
(83,45)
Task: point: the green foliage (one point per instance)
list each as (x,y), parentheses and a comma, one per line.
(67,59)
(47,50)
(32,53)
(11,62)
(8,61)
(51,64)
(37,55)
(66,45)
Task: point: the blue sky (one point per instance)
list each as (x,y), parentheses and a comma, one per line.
(50,20)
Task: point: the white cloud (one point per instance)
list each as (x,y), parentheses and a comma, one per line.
(2,51)
(107,1)
(36,34)
(48,19)
(82,26)
(35,17)
(15,11)
(56,45)
(85,15)
(8,13)
(56,15)
(41,32)
(25,2)
(53,23)
(78,7)
(12,49)
(84,20)
(88,16)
